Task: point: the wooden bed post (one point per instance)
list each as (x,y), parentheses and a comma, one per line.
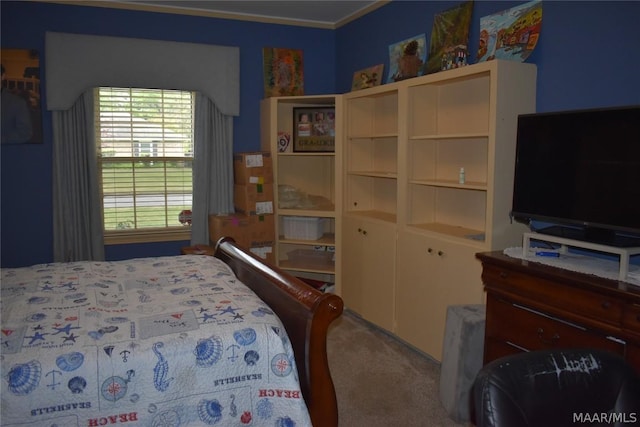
(306,314)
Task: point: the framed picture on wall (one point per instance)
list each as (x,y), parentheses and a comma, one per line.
(314,129)
(21,110)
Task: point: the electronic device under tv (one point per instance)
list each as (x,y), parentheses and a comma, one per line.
(577,174)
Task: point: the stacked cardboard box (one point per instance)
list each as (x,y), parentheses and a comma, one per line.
(253,225)
(253,232)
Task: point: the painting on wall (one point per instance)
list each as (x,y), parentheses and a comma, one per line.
(21,109)
(369,77)
(449,47)
(511,34)
(283,72)
(406,58)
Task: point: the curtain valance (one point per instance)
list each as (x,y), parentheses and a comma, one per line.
(76,62)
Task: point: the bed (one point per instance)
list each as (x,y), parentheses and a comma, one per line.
(169,341)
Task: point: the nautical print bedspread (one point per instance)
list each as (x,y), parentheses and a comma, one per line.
(170,341)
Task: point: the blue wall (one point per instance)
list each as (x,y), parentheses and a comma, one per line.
(586,57)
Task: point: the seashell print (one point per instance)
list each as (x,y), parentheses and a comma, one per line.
(285,422)
(246,336)
(251,357)
(265,409)
(210,411)
(70,361)
(180,291)
(208,351)
(24,378)
(77,385)
(38,300)
(36,317)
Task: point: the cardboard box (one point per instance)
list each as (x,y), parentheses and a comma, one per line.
(253,199)
(253,168)
(247,230)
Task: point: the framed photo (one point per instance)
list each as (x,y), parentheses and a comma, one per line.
(314,129)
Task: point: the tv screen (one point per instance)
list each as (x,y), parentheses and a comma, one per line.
(579,172)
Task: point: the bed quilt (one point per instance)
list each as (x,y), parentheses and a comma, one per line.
(170,341)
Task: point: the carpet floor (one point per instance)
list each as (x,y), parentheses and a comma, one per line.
(381,381)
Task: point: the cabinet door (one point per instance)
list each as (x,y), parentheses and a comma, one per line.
(432,275)
(369,270)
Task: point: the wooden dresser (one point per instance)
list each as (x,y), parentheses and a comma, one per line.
(531,306)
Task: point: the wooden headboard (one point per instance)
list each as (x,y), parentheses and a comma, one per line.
(306,314)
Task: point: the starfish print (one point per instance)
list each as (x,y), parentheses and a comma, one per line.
(229,310)
(47,288)
(71,337)
(238,316)
(66,329)
(208,317)
(37,336)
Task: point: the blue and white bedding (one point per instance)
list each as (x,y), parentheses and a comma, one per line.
(171,341)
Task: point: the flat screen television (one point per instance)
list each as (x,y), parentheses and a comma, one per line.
(577,174)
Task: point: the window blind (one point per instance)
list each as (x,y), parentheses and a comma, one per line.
(145,155)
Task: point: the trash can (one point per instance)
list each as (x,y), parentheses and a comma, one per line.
(462,355)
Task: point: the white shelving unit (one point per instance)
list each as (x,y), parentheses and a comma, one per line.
(312,174)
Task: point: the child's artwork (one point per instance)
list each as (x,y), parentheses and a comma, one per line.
(511,34)
(283,72)
(369,77)
(406,58)
(449,46)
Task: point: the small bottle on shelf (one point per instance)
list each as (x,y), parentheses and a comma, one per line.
(461,177)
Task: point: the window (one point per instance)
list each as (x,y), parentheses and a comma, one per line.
(145,159)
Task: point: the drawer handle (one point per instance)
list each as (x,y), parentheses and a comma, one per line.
(548,341)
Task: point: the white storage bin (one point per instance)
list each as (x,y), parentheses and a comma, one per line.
(302,227)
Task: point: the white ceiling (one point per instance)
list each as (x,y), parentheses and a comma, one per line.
(319,13)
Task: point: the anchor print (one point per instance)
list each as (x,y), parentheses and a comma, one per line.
(53,379)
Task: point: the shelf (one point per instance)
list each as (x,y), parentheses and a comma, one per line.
(468,185)
(327,239)
(452,231)
(311,268)
(373,136)
(307,154)
(375,174)
(307,212)
(445,137)
(376,215)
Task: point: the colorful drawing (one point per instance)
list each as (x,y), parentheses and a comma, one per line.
(21,110)
(511,34)
(283,72)
(369,77)
(406,58)
(449,47)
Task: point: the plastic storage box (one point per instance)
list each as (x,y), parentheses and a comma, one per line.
(302,227)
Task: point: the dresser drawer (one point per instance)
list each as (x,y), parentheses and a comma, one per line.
(530,330)
(631,319)
(554,296)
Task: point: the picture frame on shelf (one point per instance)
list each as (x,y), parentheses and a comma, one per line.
(314,129)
